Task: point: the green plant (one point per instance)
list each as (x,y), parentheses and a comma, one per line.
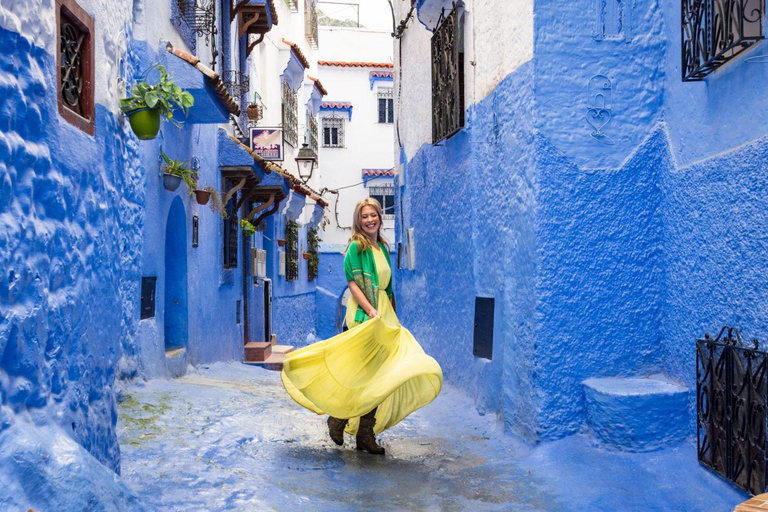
(313,243)
(164,96)
(215,203)
(247,227)
(292,249)
(180,169)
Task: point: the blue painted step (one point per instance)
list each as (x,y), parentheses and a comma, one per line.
(636,414)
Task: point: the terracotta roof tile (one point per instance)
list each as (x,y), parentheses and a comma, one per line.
(336,104)
(298,53)
(318,85)
(213,79)
(378,172)
(382,74)
(356,64)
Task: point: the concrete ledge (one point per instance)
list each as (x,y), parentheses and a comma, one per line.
(636,414)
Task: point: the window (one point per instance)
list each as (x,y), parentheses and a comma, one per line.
(75,65)
(386,197)
(231,228)
(290,115)
(386,107)
(333,132)
(447,77)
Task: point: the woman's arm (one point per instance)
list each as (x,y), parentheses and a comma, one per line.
(359,296)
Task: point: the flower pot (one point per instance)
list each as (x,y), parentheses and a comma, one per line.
(281,242)
(306,255)
(145,122)
(171,182)
(202,196)
(253,112)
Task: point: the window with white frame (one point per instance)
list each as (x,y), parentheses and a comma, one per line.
(385,195)
(386,106)
(333,132)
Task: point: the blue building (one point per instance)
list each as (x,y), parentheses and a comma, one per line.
(593,181)
(109,271)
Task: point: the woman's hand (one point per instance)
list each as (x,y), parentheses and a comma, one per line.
(373,314)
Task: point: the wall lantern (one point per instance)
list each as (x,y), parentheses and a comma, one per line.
(306,161)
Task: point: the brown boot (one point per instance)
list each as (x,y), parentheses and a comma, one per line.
(365,438)
(336,429)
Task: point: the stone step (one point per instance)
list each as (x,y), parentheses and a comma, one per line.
(636,414)
(257,351)
(275,360)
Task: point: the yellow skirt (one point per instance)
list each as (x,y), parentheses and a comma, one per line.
(376,364)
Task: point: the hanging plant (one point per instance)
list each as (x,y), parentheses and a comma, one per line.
(179,169)
(247,227)
(313,260)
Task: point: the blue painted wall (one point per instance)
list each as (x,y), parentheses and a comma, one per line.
(71,216)
(607,260)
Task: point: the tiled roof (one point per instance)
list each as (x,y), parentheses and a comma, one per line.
(378,172)
(273,11)
(356,64)
(318,85)
(382,74)
(298,53)
(336,104)
(213,78)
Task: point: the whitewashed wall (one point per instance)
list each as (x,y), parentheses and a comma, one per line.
(368,144)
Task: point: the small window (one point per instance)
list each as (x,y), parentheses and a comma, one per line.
(386,197)
(333,132)
(75,65)
(386,107)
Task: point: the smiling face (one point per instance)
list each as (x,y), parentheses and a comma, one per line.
(370,220)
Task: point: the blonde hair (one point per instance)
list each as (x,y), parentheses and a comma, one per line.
(358,234)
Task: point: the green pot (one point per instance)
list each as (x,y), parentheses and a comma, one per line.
(145,122)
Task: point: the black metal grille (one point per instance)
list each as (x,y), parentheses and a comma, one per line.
(290,115)
(731,396)
(310,21)
(386,106)
(72,47)
(231,229)
(291,251)
(200,17)
(333,132)
(313,243)
(237,83)
(447,77)
(716,31)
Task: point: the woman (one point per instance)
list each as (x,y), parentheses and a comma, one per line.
(372,376)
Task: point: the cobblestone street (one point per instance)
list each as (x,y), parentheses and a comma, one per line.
(228,437)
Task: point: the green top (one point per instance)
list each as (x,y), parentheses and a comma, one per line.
(361,268)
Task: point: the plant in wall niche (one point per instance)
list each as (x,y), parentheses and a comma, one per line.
(175,171)
(148,103)
(313,261)
(291,250)
(247,227)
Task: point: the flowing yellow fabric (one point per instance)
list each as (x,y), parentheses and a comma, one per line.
(376,364)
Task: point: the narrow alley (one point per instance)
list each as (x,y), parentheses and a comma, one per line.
(228,437)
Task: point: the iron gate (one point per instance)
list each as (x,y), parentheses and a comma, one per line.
(731,395)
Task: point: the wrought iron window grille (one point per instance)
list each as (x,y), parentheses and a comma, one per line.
(200,17)
(447,76)
(310,23)
(731,405)
(231,226)
(237,83)
(385,195)
(75,65)
(312,131)
(386,106)
(717,31)
(290,115)
(333,132)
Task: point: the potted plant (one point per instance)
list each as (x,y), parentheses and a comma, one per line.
(215,204)
(281,242)
(176,171)
(306,255)
(253,111)
(247,227)
(147,104)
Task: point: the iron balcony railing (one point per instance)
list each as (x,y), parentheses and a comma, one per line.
(717,31)
(200,17)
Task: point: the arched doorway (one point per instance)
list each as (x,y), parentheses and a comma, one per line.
(176,314)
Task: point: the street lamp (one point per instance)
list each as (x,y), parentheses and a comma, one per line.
(306,161)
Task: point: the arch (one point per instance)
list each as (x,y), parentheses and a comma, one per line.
(176,311)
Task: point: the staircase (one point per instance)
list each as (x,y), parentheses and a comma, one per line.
(266,354)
